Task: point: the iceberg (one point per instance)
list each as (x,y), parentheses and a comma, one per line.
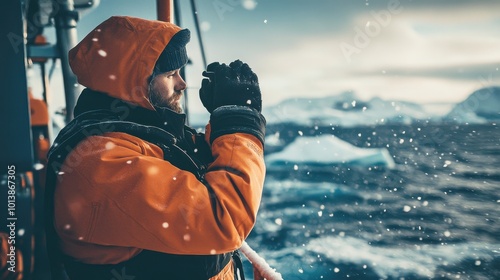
(327,150)
(482,106)
(347,110)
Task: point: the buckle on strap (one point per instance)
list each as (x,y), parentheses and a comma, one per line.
(238,265)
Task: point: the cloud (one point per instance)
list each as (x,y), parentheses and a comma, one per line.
(487,71)
(430,50)
(452,12)
(398,63)
(401,42)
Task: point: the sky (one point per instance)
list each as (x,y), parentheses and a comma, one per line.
(425,51)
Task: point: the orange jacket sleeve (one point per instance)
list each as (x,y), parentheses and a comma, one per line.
(116,190)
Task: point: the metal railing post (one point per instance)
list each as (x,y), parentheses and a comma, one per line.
(67,38)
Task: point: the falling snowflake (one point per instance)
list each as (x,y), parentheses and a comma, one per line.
(102,53)
(249,4)
(38,166)
(109,145)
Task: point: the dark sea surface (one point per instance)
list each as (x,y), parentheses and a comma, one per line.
(436,215)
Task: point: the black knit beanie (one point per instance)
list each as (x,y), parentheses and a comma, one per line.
(174,56)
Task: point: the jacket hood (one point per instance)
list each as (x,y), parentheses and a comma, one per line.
(119,56)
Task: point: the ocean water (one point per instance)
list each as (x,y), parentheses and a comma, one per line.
(436,215)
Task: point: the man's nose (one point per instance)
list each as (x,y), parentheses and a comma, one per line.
(181,85)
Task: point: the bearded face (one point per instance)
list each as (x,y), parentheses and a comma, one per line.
(166,90)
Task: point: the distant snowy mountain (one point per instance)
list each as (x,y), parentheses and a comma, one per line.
(347,109)
(326,150)
(481,106)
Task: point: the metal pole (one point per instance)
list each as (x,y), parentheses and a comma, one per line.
(164,10)
(67,38)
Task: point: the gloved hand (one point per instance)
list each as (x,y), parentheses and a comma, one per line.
(235,84)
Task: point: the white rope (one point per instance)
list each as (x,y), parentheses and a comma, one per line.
(259,263)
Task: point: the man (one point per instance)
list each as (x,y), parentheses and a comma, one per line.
(132,193)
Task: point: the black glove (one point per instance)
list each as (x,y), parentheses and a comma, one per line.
(235,84)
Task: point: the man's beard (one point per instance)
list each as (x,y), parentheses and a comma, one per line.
(173,102)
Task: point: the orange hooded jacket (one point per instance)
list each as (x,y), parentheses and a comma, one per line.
(115,193)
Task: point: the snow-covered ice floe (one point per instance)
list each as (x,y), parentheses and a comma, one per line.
(393,262)
(328,150)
